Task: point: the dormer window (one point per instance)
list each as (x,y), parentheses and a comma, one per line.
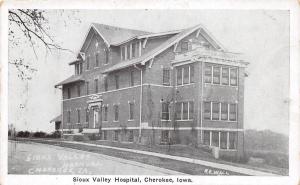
(130,51)
(78,68)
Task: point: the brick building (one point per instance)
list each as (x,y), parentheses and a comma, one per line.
(179,86)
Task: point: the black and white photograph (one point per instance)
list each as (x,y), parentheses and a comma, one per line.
(147,96)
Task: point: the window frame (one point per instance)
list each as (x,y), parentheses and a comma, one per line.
(97,59)
(96,83)
(165,114)
(131,111)
(116,113)
(166,76)
(117,78)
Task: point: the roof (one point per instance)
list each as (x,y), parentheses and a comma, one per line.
(56,119)
(71,79)
(116,35)
(151,54)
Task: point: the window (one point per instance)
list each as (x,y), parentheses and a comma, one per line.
(184,46)
(78,89)
(131,78)
(165,135)
(96,86)
(133,50)
(233,76)
(131,111)
(224,111)
(165,111)
(87,88)
(215,111)
(207,110)
(216,74)
(116,138)
(123,53)
(106,56)
(225,76)
(130,138)
(104,134)
(69,92)
(179,76)
(87,118)
(116,110)
(97,56)
(166,76)
(178,111)
(106,84)
(69,116)
(223,139)
(128,52)
(80,67)
(117,81)
(207,73)
(87,62)
(232,140)
(191,110)
(105,110)
(232,112)
(206,137)
(78,115)
(185,110)
(215,139)
(192,80)
(185,74)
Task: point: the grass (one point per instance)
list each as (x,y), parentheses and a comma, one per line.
(175,150)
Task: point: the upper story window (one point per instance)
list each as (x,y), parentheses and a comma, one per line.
(185,74)
(116,110)
(87,88)
(106,83)
(69,92)
(97,56)
(87,62)
(223,75)
(78,115)
(131,111)
(165,112)
(105,112)
(69,117)
(220,111)
(166,76)
(78,68)
(185,110)
(106,56)
(130,51)
(184,46)
(132,78)
(117,81)
(96,85)
(87,118)
(78,90)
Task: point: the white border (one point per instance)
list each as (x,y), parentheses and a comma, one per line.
(292,5)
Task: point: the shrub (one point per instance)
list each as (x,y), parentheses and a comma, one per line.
(78,138)
(39,134)
(94,137)
(23,134)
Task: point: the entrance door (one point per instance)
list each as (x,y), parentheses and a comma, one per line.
(95,118)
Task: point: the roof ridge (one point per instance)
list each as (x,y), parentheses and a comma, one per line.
(120,28)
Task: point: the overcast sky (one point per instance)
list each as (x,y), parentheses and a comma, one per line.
(262,36)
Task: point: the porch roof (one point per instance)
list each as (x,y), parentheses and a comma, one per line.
(56,119)
(71,79)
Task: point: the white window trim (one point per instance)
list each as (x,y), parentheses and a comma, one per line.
(220,111)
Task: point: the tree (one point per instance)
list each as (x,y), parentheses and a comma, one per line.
(31,26)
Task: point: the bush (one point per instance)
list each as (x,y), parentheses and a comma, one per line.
(39,134)
(94,137)
(23,134)
(78,138)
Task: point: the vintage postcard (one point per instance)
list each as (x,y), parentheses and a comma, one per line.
(100,93)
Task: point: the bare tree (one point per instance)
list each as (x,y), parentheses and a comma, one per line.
(32,26)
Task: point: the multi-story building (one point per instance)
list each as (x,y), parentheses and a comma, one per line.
(179,86)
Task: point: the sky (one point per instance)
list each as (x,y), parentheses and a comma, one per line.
(262,37)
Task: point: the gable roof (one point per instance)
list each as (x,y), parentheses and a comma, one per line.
(151,54)
(115,35)
(56,119)
(71,79)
